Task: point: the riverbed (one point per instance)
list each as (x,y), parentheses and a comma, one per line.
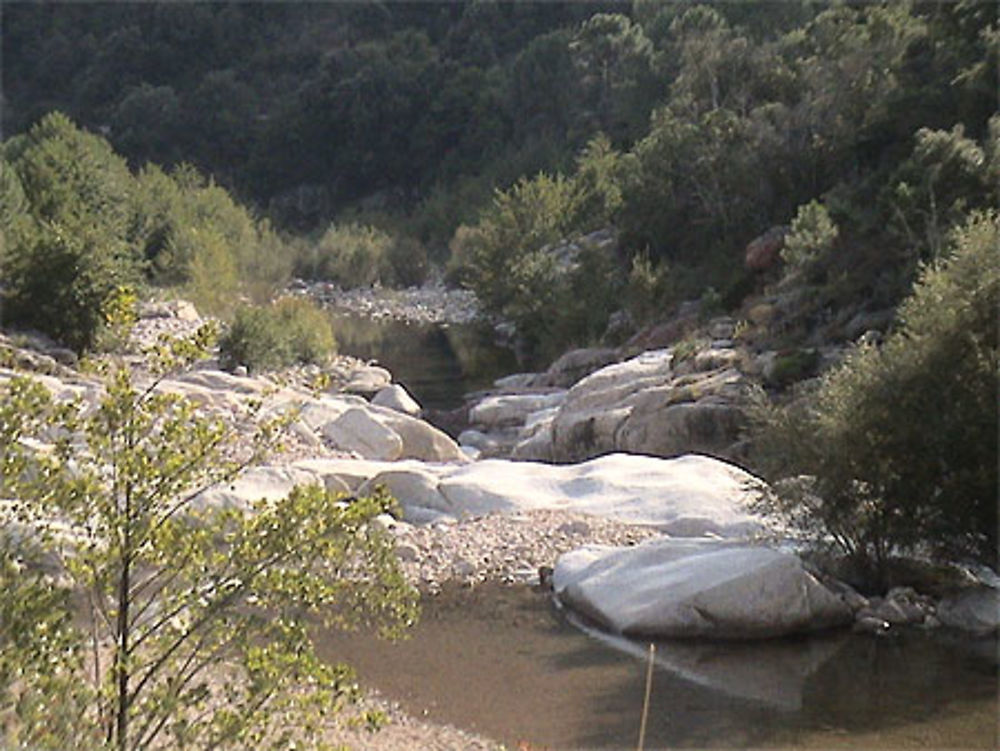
(504,662)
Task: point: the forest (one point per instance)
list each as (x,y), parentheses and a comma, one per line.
(822,175)
(421,132)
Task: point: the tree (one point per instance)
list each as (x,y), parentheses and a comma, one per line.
(896,452)
(198,616)
(614,59)
(65,274)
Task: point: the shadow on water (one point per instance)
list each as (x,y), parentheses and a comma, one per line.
(502,661)
(437,364)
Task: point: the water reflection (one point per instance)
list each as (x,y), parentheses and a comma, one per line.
(502,661)
(437,364)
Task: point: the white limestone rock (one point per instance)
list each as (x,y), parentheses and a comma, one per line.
(712,589)
(358,431)
(395,396)
(512,409)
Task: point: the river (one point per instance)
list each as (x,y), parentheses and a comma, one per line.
(503,661)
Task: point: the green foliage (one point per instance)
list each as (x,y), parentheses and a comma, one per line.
(69,254)
(650,289)
(896,451)
(42,699)
(197,615)
(812,236)
(351,255)
(79,230)
(195,236)
(945,177)
(292,330)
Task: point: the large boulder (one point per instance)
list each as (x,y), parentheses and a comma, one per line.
(976,609)
(356,430)
(571,366)
(420,440)
(688,495)
(644,405)
(398,398)
(512,409)
(254,484)
(669,588)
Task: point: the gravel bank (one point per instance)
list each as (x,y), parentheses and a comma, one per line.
(432,303)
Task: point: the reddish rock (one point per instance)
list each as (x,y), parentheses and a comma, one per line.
(764,251)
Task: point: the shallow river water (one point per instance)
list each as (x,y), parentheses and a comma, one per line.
(504,662)
(437,364)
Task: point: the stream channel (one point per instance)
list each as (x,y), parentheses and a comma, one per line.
(505,662)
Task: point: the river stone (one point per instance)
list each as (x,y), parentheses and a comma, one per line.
(357,430)
(420,439)
(571,366)
(368,380)
(688,495)
(398,398)
(669,588)
(644,405)
(976,609)
(512,409)
(253,484)
(416,492)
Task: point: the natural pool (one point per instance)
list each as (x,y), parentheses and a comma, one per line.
(504,662)
(437,364)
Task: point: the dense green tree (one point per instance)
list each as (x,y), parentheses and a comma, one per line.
(69,271)
(896,452)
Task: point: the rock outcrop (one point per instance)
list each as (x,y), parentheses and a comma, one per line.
(671,588)
(650,405)
(688,495)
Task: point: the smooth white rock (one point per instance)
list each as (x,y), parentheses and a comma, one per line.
(512,409)
(395,396)
(357,430)
(253,484)
(696,589)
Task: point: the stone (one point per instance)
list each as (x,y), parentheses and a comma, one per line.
(976,609)
(368,380)
(420,440)
(643,406)
(688,495)
(669,588)
(358,431)
(416,492)
(398,398)
(253,484)
(512,409)
(764,251)
(576,364)
(515,381)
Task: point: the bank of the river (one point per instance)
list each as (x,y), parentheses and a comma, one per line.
(431,303)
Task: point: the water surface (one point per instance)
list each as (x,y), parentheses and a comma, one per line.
(437,364)
(504,662)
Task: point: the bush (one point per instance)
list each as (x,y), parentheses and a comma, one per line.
(293,330)
(897,450)
(812,235)
(352,255)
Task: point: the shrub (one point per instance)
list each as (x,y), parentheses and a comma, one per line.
(352,255)
(812,235)
(306,327)
(897,449)
(292,330)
